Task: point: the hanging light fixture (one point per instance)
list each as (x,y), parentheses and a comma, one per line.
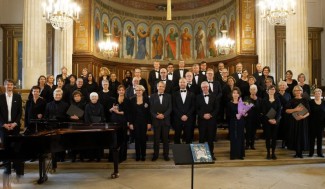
(277,11)
(60,13)
(224,44)
(108,48)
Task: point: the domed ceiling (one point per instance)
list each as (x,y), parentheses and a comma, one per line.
(177,5)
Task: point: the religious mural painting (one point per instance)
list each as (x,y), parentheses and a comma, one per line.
(172,38)
(157,42)
(186,38)
(143,40)
(129,39)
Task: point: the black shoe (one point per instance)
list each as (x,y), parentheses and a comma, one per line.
(247,147)
(98,160)
(320,155)
(166,158)
(268,156)
(154,158)
(143,159)
(296,156)
(232,158)
(310,155)
(241,158)
(253,148)
(214,158)
(137,159)
(274,157)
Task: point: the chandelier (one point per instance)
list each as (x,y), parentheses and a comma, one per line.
(277,11)
(60,13)
(108,48)
(224,44)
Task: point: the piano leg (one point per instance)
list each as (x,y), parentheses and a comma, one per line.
(42,169)
(115,174)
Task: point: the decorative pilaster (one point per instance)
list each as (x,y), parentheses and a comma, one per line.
(34,43)
(297,41)
(265,42)
(63,49)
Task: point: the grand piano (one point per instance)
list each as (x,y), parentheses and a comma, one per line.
(72,136)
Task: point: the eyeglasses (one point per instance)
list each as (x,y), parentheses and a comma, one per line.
(138,90)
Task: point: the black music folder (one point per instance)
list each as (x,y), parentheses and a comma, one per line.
(302,112)
(271,114)
(75,110)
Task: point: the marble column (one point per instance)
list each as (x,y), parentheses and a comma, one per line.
(297,41)
(63,49)
(34,43)
(265,42)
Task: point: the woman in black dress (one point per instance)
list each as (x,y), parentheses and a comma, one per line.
(106,99)
(45,92)
(113,85)
(316,123)
(290,82)
(284,97)
(236,127)
(243,84)
(127,81)
(140,121)
(252,120)
(270,121)
(226,96)
(34,109)
(305,87)
(91,85)
(120,116)
(298,127)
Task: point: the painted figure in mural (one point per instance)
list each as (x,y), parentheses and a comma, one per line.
(199,46)
(186,44)
(129,35)
(157,44)
(97,28)
(171,44)
(116,32)
(212,36)
(105,28)
(232,32)
(223,25)
(142,36)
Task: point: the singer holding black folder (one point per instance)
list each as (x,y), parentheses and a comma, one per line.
(271,114)
(298,125)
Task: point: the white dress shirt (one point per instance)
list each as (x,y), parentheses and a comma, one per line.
(211,85)
(9,105)
(181,73)
(183,94)
(206,98)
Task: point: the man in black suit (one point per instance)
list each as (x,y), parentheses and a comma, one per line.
(197,77)
(191,86)
(168,83)
(10,115)
(203,67)
(130,91)
(180,72)
(142,81)
(160,109)
(154,76)
(239,69)
(184,112)
(259,75)
(170,71)
(207,107)
(214,85)
(218,74)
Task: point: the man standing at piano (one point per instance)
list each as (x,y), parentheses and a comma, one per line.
(160,109)
(10,115)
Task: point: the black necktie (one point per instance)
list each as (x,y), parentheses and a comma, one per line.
(183,91)
(162,94)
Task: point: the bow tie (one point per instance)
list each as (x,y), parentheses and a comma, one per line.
(181,69)
(156,71)
(206,95)
(162,94)
(210,81)
(163,80)
(196,75)
(170,74)
(239,73)
(183,91)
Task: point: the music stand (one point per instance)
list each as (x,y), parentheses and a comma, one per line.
(183,155)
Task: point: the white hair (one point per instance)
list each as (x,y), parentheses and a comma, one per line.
(253,87)
(93,94)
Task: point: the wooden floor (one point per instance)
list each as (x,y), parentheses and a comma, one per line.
(253,157)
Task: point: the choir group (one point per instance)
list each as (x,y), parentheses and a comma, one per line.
(183,100)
